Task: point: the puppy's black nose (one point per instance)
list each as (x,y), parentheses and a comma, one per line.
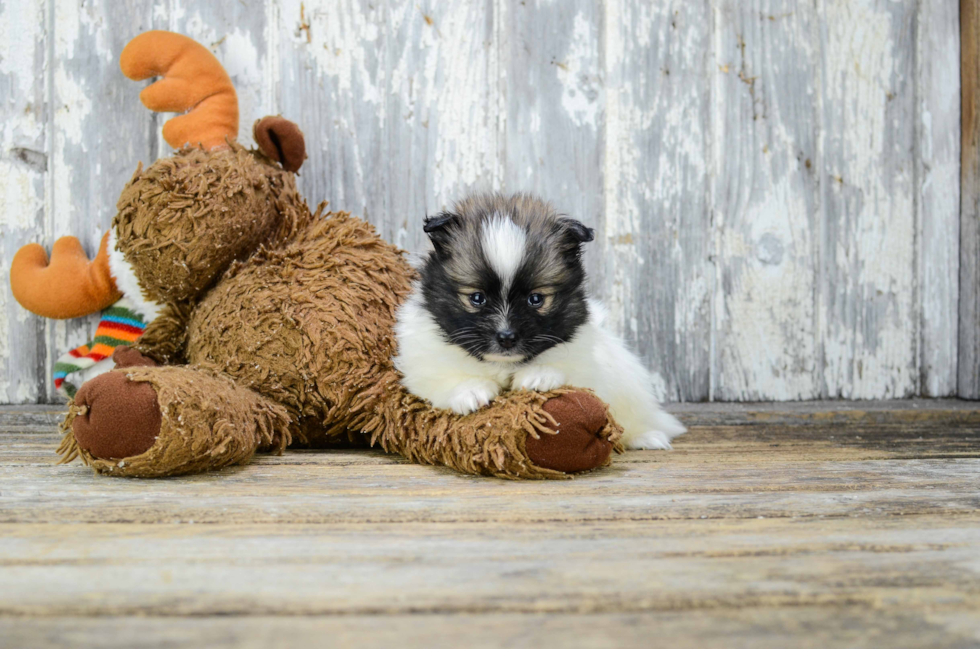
(506,338)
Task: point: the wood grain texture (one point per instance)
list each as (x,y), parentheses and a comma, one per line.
(809,525)
(885,460)
(937,186)
(968,377)
(680,130)
(765,197)
(443,115)
(24,162)
(326,494)
(805,627)
(657,235)
(869,331)
(626,567)
(333,83)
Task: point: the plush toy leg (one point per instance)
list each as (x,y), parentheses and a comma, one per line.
(520,435)
(160,421)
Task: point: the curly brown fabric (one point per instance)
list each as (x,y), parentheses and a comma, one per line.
(184,219)
(205,423)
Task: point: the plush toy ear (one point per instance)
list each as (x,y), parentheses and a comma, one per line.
(282,141)
(440,229)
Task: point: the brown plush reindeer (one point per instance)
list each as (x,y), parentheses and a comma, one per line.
(267,325)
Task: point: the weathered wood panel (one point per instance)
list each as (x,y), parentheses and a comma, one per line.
(98,128)
(443,108)
(937,186)
(869,328)
(765,199)
(773,184)
(332,81)
(657,234)
(24,162)
(651,489)
(968,378)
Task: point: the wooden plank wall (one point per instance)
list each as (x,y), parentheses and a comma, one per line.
(969,307)
(775,184)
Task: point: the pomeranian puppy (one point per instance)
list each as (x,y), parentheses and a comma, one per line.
(501,304)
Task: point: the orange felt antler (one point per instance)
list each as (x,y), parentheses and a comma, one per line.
(69,286)
(193,81)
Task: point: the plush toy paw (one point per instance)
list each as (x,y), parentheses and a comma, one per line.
(126,356)
(540,378)
(118,418)
(577,446)
(651,440)
(470,396)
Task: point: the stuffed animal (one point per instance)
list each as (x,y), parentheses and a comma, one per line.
(254,323)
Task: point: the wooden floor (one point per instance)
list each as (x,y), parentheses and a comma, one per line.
(807,525)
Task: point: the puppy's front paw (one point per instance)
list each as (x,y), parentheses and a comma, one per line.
(470,396)
(539,378)
(652,440)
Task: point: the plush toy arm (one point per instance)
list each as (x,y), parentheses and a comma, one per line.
(522,434)
(194,83)
(69,286)
(165,338)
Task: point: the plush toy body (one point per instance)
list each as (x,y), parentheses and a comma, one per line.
(267,325)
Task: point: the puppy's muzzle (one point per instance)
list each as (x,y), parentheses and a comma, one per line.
(507,338)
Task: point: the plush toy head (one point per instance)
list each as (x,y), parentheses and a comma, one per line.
(184,219)
(181,222)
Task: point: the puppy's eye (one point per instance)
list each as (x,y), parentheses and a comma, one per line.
(535,300)
(478,299)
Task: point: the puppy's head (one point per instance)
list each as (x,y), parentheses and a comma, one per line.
(505,278)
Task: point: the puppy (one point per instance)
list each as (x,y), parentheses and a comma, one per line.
(501,304)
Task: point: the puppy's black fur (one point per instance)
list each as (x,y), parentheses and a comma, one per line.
(551,263)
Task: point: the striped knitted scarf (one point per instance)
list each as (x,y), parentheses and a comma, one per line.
(120,325)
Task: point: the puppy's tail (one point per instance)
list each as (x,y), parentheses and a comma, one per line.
(667,424)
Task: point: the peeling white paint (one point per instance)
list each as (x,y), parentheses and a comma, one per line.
(18,44)
(938,174)
(624,113)
(579,75)
(337,42)
(870,339)
(22,162)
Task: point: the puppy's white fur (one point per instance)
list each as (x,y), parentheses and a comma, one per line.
(594,358)
(503,244)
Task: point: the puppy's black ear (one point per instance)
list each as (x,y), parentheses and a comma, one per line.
(577,231)
(574,234)
(440,229)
